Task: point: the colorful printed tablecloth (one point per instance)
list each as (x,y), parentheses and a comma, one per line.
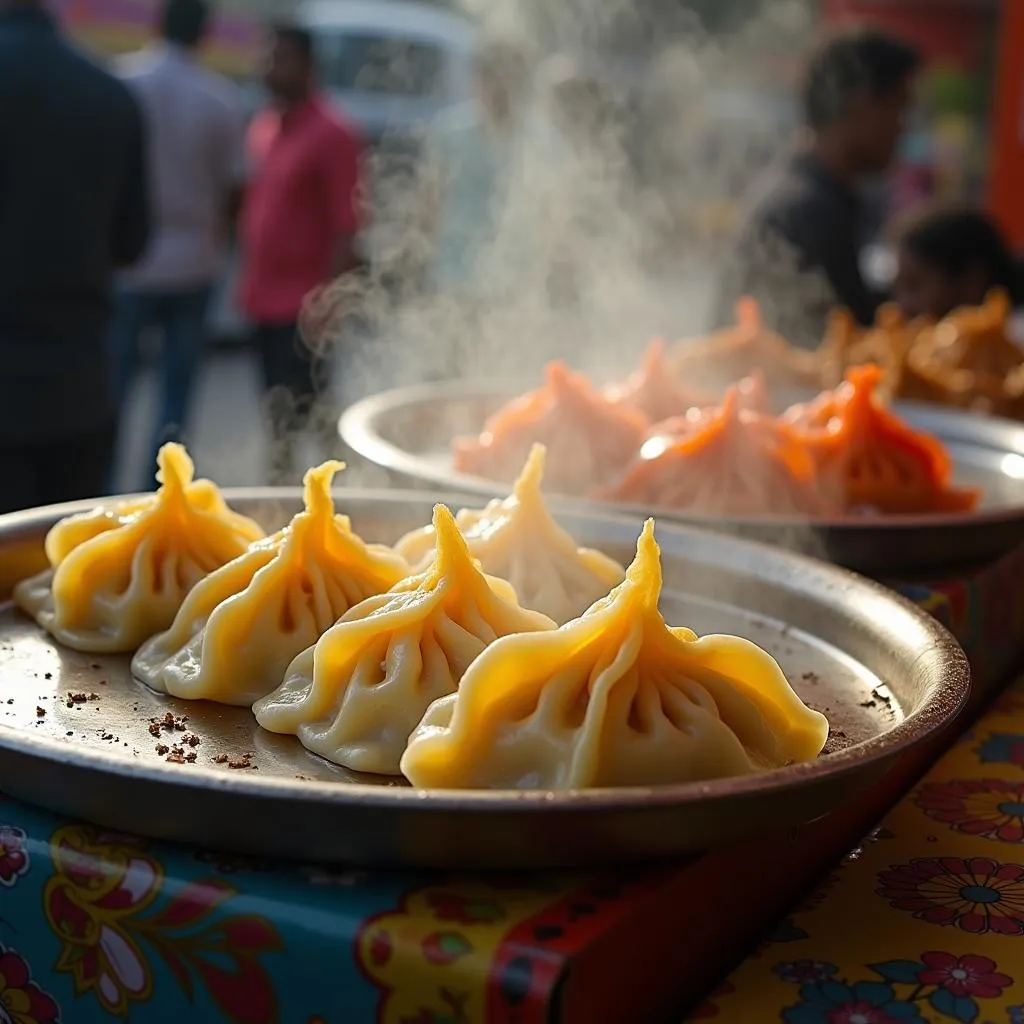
(924,921)
(96,926)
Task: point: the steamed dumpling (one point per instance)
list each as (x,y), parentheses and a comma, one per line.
(724,461)
(516,539)
(356,696)
(152,657)
(120,574)
(654,389)
(588,437)
(232,642)
(719,359)
(615,698)
(870,457)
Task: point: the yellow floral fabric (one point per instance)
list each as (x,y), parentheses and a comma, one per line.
(924,921)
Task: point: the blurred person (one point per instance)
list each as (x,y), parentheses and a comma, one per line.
(196,132)
(73,207)
(799,250)
(951,256)
(299,225)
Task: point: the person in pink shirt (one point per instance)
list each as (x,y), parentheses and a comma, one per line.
(300,219)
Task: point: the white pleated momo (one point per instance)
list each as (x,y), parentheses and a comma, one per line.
(120,574)
(233,640)
(516,539)
(358,694)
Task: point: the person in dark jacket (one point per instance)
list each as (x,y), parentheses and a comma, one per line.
(799,250)
(73,207)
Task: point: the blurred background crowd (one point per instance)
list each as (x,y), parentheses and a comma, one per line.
(222,224)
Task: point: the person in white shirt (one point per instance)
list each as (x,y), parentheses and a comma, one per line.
(196,137)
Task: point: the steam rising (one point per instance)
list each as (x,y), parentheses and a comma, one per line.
(606,233)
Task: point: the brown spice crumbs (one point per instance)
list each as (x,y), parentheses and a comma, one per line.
(70,732)
(191,756)
(245,761)
(162,748)
(191,739)
(40,712)
(173,758)
(10,700)
(168,723)
(76,698)
(47,675)
(221,759)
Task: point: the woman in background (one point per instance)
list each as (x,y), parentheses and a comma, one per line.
(951,256)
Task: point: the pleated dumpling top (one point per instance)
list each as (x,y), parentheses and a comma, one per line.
(120,574)
(356,696)
(241,627)
(516,539)
(615,698)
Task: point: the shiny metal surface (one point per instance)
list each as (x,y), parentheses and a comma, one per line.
(79,736)
(408,432)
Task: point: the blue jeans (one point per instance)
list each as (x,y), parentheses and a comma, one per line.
(180,317)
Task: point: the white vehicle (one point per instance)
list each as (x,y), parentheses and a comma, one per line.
(391,65)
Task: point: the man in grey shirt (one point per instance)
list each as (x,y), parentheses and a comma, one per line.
(799,251)
(197,162)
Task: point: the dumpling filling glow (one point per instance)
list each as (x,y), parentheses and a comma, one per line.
(615,698)
(120,575)
(356,696)
(516,539)
(235,636)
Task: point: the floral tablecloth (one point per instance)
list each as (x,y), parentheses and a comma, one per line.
(924,921)
(95,926)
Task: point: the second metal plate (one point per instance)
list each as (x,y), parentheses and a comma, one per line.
(408,432)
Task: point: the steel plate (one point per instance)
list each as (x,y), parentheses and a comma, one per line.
(408,432)
(79,736)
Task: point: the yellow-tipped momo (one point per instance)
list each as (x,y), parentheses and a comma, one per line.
(235,636)
(356,696)
(516,539)
(120,574)
(615,698)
